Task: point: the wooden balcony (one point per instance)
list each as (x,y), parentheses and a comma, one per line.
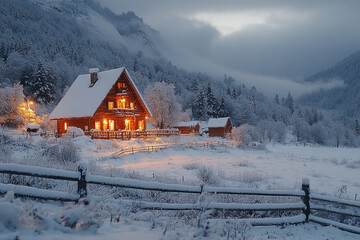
(124,112)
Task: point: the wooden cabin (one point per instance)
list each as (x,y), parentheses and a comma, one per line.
(107,100)
(219,127)
(191,127)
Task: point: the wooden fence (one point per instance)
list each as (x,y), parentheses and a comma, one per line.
(124,134)
(151,148)
(308,203)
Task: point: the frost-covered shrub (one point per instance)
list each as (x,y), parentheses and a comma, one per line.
(5,150)
(207,175)
(243,134)
(64,152)
(81,216)
(251,177)
(191,166)
(74,132)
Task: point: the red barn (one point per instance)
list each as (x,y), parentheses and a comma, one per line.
(191,127)
(219,127)
(107,100)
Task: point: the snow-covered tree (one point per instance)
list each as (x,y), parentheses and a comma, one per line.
(14,110)
(211,103)
(43,85)
(200,106)
(222,110)
(163,104)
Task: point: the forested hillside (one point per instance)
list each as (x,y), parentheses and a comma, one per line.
(44,45)
(345,101)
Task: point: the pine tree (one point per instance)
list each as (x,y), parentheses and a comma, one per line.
(222,110)
(228,91)
(357,127)
(211,103)
(277,99)
(200,106)
(289,103)
(135,65)
(234,93)
(43,85)
(26,80)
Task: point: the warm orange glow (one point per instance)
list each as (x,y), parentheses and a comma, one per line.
(141,125)
(97,125)
(105,124)
(127,124)
(123,100)
(132,105)
(31,102)
(146,117)
(65,126)
(112,125)
(110,105)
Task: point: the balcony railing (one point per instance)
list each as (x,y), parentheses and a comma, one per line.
(124,112)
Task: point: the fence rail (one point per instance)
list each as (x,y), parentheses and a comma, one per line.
(126,134)
(83,178)
(163,146)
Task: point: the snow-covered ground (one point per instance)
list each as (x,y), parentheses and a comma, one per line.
(332,171)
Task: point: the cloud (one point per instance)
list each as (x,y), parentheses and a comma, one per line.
(272,45)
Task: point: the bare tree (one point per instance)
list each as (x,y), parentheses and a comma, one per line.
(163,104)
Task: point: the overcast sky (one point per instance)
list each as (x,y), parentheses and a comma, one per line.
(270,44)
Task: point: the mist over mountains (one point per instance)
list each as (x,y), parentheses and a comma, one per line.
(344,101)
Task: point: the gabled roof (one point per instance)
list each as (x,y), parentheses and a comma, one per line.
(187,124)
(83,101)
(218,122)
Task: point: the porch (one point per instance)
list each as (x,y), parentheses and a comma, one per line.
(126,134)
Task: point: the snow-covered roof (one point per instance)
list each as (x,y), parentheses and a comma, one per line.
(217,122)
(83,101)
(187,124)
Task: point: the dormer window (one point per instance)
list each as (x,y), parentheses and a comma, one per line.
(110,105)
(120,85)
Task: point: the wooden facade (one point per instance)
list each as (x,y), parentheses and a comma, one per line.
(188,127)
(122,109)
(220,131)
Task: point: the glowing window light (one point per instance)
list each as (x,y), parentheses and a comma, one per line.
(97,125)
(110,105)
(65,126)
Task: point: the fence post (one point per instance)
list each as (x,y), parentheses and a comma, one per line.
(82,189)
(306,199)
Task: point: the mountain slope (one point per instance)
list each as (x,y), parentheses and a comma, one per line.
(345,101)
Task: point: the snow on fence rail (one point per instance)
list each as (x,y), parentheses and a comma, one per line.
(162,146)
(126,134)
(83,178)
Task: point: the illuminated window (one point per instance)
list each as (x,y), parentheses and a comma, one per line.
(65,126)
(121,85)
(132,105)
(86,128)
(123,103)
(141,125)
(110,105)
(127,124)
(111,125)
(97,125)
(105,124)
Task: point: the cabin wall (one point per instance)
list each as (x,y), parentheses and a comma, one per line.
(217,132)
(83,123)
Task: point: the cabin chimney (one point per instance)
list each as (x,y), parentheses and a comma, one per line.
(93,76)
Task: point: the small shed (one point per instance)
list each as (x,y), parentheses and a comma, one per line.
(191,127)
(219,127)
